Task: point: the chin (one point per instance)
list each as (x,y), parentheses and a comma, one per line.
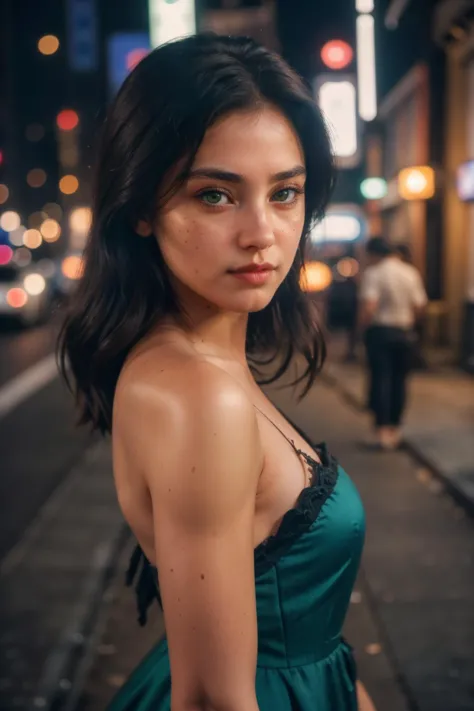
(250,302)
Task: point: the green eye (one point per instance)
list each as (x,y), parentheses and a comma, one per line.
(212,197)
(285,195)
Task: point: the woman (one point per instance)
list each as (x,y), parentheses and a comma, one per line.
(214,163)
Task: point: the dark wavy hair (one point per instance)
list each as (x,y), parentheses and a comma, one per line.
(156,122)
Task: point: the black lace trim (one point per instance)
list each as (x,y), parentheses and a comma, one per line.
(295,522)
(299,519)
(146,585)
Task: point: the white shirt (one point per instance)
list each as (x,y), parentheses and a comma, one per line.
(398,290)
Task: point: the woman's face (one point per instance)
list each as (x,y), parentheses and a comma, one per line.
(231,233)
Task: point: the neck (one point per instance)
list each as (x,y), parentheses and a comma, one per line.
(212,331)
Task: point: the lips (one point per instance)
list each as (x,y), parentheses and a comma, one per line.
(254,268)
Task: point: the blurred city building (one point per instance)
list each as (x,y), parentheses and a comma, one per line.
(254,18)
(453,31)
(421,145)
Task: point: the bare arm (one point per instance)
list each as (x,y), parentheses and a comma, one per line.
(198,446)
(369,299)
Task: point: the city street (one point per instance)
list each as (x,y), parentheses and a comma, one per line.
(69,636)
(360,161)
(411,620)
(38,440)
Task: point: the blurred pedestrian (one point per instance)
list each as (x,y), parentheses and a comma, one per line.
(403,251)
(214,163)
(418,359)
(342,313)
(393,299)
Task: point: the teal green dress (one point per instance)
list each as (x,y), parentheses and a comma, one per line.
(304,576)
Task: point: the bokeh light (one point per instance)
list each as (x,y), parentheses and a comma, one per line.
(80,219)
(16,236)
(51,230)
(49,44)
(32,239)
(34,284)
(16,298)
(68,184)
(315,276)
(348,267)
(4,193)
(72,267)
(46,267)
(36,219)
(336,54)
(67,119)
(22,257)
(6,254)
(36,178)
(34,132)
(53,210)
(10,221)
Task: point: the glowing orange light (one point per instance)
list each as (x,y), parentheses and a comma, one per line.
(348,267)
(315,276)
(16,298)
(336,54)
(72,267)
(67,120)
(68,184)
(4,193)
(417,183)
(32,239)
(51,230)
(49,44)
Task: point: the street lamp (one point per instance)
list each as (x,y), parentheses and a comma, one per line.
(416,183)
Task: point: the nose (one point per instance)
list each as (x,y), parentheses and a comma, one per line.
(256,229)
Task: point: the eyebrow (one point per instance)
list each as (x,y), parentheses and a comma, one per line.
(218,174)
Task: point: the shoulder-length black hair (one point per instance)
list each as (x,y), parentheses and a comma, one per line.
(157,120)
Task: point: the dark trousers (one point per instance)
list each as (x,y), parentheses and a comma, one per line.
(389,359)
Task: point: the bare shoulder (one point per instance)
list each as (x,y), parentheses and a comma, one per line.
(175,386)
(189,427)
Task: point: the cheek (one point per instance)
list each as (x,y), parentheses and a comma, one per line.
(185,245)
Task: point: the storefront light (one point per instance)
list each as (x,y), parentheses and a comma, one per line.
(337,100)
(465,181)
(366,67)
(337,228)
(373,188)
(170,19)
(416,183)
(315,276)
(364,6)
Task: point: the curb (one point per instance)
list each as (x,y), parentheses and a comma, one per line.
(66,666)
(451,486)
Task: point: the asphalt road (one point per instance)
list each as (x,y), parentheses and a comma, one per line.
(39,442)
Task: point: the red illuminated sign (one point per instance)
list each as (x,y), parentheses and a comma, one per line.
(67,120)
(336,54)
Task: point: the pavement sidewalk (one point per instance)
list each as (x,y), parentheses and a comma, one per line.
(52,585)
(439,427)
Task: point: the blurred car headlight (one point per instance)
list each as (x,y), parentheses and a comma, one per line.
(17,298)
(34,284)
